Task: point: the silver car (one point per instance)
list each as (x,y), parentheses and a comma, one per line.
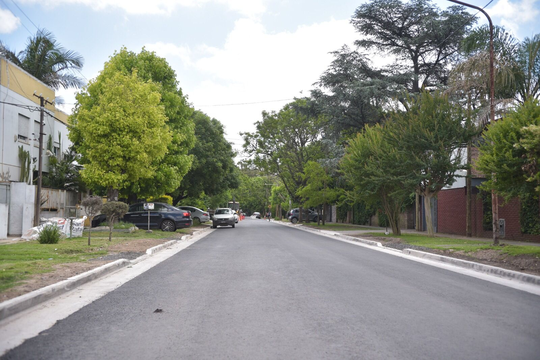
(223,217)
(196,214)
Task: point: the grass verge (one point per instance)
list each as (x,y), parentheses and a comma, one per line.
(20,260)
(336,227)
(465,245)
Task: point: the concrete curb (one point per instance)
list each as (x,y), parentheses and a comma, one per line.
(36,297)
(26,301)
(493,270)
(509,274)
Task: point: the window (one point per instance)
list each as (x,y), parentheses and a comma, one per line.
(24,127)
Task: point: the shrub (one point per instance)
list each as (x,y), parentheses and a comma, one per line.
(114,210)
(49,235)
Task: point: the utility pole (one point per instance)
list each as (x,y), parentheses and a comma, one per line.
(37,205)
(494,197)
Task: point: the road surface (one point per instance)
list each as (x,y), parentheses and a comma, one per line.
(267,291)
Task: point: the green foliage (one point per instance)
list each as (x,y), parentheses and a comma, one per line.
(505,160)
(120,130)
(64,174)
(487,215)
(48,61)
(375,170)
(50,234)
(114,210)
(252,194)
(363,212)
(529,215)
(24,159)
(422,37)
(213,170)
(170,169)
(285,141)
(318,189)
(528,84)
(163,198)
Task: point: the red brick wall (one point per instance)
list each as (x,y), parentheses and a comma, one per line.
(452,212)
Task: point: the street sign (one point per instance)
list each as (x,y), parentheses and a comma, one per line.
(149,206)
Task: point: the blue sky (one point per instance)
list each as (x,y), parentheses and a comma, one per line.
(249,52)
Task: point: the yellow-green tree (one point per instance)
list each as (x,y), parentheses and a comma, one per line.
(120,130)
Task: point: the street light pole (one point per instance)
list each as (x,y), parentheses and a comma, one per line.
(494,198)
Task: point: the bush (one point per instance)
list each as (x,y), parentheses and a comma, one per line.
(49,235)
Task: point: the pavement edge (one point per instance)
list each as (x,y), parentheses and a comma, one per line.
(36,297)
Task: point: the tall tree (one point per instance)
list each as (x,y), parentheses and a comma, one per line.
(285,141)
(510,154)
(170,169)
(433,132)
(424,39)
(528,84)
(46,60)
(120,130)
(213,170)
(374,168)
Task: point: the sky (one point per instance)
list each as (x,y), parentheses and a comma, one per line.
(233,58)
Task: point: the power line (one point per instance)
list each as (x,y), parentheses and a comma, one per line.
(246,103)
(21,10)
(24,26)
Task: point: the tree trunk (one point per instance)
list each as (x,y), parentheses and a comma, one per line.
(112,194)
(429,220)
(300,217)
(468,225)
(90,229)
(319,212)
(325,207)
(418,213)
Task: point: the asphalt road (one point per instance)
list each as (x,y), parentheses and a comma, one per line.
(266,291)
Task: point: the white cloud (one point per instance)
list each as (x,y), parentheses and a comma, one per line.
(254,67)
(8,22)
(512,14)
(248,8)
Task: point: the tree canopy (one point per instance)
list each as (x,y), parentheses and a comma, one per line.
(213,170)
(424,39)
(120,130)
(285,141)
(510,153)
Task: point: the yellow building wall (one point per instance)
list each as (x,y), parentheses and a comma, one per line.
(24,84)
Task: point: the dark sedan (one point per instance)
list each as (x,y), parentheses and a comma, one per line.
(164,216)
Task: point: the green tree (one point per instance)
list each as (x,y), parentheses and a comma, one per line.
(120,130)
(92,206)
(170,169)
(424,39)
(528,84)
(433,133)
(64,174)
(284,142)
(251,193)
(374,168)
(46,60)
(318,190)
(213,170)
(510,154)
(114,210)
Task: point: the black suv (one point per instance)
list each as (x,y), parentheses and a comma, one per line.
(163,216)
(307,215)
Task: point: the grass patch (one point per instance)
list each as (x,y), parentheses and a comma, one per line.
(336,227)
(457,244)
(20,260)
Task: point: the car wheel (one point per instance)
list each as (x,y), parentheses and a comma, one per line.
(214,226)
(294,220)
(167,225)
(233,226)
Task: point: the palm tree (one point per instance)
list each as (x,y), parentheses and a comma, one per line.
(47,61)
(528,86)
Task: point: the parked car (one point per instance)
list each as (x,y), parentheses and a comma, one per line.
(196,214)
(236,216)
(164,216)
(307,215)
(223,217)
(256,215)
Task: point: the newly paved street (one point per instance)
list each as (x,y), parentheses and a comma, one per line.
(266,291)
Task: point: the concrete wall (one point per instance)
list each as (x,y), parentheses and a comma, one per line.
(21,210)
(4,212)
